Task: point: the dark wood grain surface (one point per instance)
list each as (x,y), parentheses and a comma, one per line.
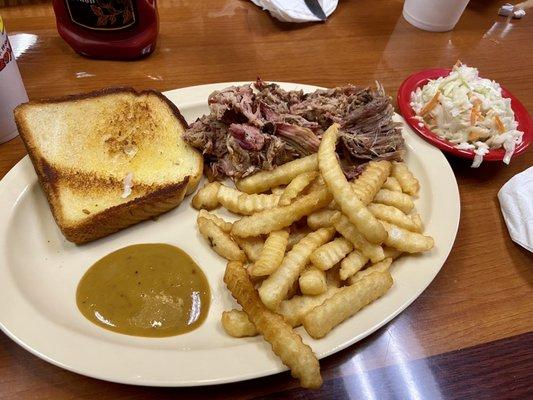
(479,372)
(473,322)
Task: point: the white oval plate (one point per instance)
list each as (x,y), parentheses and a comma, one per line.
(39,272)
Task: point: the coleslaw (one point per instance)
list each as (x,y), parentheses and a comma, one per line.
(468,111)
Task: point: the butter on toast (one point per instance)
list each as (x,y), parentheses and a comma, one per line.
(108,159)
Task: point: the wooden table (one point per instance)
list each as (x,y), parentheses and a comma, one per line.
(470,334)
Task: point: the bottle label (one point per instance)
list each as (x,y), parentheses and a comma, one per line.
(12,92)
(6,53)
(106,15)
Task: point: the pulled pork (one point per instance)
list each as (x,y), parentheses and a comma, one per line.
(259,126)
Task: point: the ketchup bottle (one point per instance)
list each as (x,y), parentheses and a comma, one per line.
(108,29)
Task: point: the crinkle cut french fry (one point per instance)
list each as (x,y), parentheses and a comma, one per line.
(382,266)
(417,220)
(404,240)
(391,253)
(256,280)
(221,223)
(237,324)
(294,309)
(252,246)
(293,290)
(322,218)
(329,254)
(333,276)
(407,180)
(392,184)
(296,235)
(312,281)
(271,255)
(206,197)
(352,263)
(393,215)
(316,184)
(342,191)
(286,343)
(252,203)
(229,198)
(350,232)
(264,180)
(296,186)
(274,289)
(278,218)
(402,201)
(347,302)
(371,179)
(243,203)
(278,190)
(219,240)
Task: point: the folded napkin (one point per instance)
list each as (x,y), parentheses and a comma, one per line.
(295,10)
(516,202)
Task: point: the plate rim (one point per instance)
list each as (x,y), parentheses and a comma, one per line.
(251,375)
(417,79)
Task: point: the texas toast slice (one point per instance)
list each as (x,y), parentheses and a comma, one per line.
(108,159)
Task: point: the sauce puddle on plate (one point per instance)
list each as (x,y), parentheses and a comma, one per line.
(152,290)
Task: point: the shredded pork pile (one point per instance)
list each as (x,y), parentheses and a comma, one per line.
(259,126)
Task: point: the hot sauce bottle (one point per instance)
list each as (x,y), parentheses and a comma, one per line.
(108,29)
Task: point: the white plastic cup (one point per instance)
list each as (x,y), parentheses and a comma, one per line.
(12,92)
(434,15)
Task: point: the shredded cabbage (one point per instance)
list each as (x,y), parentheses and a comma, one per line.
(469,111)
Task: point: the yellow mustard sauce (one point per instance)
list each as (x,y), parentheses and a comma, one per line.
(152,290)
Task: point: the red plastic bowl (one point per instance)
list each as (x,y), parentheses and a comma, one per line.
(525,123)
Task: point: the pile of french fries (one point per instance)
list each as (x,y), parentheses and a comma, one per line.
(285,272)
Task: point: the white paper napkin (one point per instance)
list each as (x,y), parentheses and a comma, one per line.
(295,10)
(516,202)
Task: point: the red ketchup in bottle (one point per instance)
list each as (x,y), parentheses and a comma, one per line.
(109,29)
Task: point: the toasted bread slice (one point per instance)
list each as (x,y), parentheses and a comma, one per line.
(90,150)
